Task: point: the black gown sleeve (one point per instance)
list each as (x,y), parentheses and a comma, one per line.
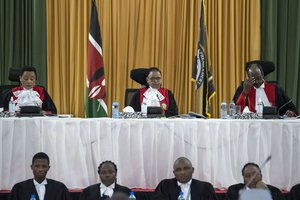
(284,103)
(163,189)
(48,104)
(294,193)
(233,192)
(173,109)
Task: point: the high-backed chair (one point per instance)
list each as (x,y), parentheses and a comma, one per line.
(13,76)
(138,75)
(129,92)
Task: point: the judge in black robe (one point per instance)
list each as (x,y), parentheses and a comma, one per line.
(48,105)
(171,111)
(282,102)
(245,94)
(294,193)
(54,190)
(233,192)
(192,189)
(154,80)
(28,76)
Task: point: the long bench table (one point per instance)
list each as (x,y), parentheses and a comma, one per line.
(145,149)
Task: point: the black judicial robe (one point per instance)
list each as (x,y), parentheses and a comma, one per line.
(93,191)
(233,192)
(294,193)
(168,189)
(54,191)
(280,98)
(48,104)
(171,111)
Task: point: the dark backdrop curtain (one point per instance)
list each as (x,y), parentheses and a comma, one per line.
(280,43)
(22,37)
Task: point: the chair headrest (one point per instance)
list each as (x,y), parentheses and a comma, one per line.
(139,75)
(14,74)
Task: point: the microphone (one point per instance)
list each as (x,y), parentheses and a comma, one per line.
(197,115)
(258,171)
(159,101)
(283,106)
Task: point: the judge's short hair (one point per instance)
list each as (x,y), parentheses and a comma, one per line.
(28,69)
(250,164)
(266,67)
(257,65)
(41,155)
(153,69)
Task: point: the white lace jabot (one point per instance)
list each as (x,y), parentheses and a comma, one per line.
(152,97)
(27,98)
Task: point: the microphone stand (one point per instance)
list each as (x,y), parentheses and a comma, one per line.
(283,106)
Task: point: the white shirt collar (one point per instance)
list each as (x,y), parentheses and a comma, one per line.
(185,188)
(112,186)
(44,182)
(261,86)
(107,190)
(40,188)
(187,183)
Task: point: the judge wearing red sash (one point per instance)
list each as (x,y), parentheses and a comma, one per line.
(255,88)
(155,95)
(28,94)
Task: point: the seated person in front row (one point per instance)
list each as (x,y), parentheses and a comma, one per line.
(108,186)
(256,87)
(28,94)
(40,186)
(294,193)
(192,189)
(252,171)
(154,95)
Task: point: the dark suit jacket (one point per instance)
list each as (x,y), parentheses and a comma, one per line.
(294,193)
(54,191)
(93,191)
(168,189)
(233,192)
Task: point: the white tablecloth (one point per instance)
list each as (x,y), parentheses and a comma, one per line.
(144,150)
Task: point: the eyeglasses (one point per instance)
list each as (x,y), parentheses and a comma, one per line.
(155,78)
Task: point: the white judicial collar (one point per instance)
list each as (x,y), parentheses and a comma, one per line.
(108,191)
(260,93)
(27,97)
(152,97)
(186,189)
(40,188)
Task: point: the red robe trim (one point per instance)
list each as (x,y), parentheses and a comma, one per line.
(38,89)
(269,90)
(164,103)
